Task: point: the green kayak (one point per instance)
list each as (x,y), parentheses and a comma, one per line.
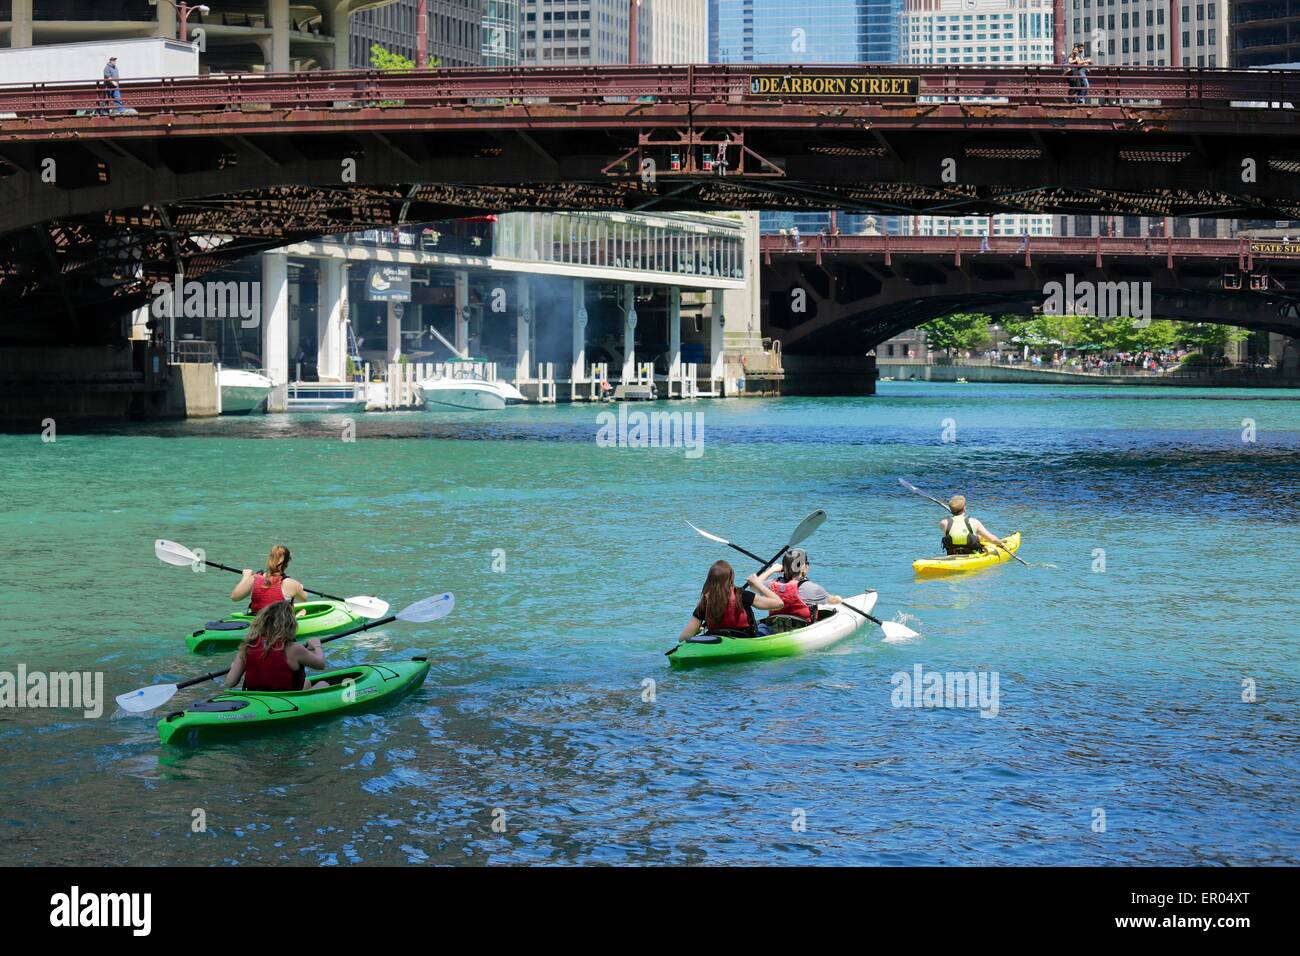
(315,619)
(834,623)
(245,711)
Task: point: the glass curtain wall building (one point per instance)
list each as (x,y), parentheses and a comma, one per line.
(826,31)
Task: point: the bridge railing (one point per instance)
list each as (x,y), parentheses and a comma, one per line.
(1043,85)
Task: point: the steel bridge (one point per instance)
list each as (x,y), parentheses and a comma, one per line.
(837,295)
(95,207)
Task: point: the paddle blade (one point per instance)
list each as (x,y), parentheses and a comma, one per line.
(365,606)
(430,609)
(806,527)
(147,698)
(909,486)
(169,552)
(897,632)
(711,537)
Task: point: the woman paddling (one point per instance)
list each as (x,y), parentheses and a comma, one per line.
(266,587)
(725,608)
(271,658)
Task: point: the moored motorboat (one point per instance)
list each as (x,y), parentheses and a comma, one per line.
(472,394)
(242,390)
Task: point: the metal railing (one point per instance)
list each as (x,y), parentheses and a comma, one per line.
(184,351)
(1038,85)
(1241,248)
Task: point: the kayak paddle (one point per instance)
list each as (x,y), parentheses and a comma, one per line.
(169,552)
(805,530)
(149,698)
(893,630)
(917,491)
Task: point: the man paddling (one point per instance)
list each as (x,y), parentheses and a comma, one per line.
(963,534)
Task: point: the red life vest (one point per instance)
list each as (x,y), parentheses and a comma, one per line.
(736,617)
(788,592)
(263,593)
(270,671)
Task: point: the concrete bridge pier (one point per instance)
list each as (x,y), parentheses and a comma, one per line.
(629,332)
(524,325)
(461,294)
(717,328)
(674,333)
(331,317)
(395,312)
(275,327)
(578,370)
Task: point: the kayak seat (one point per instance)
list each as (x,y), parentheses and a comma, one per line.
(222,626)
(217,706)
(780,623)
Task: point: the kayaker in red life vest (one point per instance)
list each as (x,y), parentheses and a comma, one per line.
(725,608)
(963,534)
(264,588)
(798,595)
(271,657)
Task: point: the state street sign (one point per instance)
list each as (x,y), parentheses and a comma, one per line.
(388,283)
(843,85)
(1274,247)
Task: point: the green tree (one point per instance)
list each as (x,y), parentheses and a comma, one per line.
(1159,335)
(1211,338)
(960,330)
(1063,330)
(388,61)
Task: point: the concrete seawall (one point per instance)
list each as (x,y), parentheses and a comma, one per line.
(905,371)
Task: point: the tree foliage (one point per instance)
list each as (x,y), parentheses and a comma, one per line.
(961,330)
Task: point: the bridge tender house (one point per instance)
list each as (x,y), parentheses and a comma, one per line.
(811,84)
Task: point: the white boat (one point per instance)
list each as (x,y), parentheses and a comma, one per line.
(242,391)
(327,397)
(475,394)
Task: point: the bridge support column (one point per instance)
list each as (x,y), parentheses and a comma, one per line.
(462,312)
(578,370)
(629,332)
(395,312)
(20,33)
(717,326)
(167,21)
(279,22)
(275,327)
(525,317)
(340,24)
(674,334)
(331,313)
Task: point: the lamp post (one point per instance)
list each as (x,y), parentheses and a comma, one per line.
(421,33)
(185,9)
(632,45)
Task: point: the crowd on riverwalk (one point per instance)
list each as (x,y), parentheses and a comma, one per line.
(1153,362)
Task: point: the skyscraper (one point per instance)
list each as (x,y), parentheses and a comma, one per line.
(824,31)
(455,34)
(961,32)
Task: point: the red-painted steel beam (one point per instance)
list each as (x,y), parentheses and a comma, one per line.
(1082,246)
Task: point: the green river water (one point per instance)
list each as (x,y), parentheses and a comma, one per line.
(550,708)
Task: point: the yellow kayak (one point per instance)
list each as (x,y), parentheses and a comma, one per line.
(954,563)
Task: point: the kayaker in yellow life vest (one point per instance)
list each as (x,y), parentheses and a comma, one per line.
(963,534)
